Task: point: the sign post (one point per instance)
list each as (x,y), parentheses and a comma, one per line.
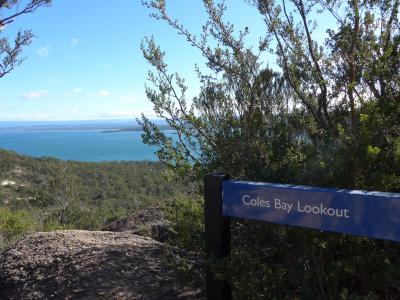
(217,232)
(359,213)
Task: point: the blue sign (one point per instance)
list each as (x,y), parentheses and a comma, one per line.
(369,214)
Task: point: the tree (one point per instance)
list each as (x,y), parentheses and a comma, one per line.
(328,116)
(348,83)
(240,104)
(10,52)
(320,109)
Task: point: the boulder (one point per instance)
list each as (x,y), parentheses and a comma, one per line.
(149,221)
(75,264)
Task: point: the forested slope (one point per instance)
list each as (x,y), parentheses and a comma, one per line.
(46,194)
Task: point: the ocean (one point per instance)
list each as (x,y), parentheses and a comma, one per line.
(82,141)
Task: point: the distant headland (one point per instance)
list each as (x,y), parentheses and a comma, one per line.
(105,126)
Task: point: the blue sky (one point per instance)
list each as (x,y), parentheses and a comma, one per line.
(86,63)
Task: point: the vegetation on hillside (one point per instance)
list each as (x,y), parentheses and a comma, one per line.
(327,115)
(45,194)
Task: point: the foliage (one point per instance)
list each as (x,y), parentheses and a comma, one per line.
(185,218)
(327,116)
(9,11)
(347,86)
(13,224)
(65,195)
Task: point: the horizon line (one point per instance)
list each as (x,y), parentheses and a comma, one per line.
(76,120)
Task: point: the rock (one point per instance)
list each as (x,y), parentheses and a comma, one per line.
(7,183)
(76,264)
(146,222)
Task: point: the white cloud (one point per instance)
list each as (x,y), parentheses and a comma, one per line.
(103,93)
(77,90)
(43,51)
(73,42)
(31,95)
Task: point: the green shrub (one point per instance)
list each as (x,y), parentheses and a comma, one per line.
(51,224)
(186,222)
(186,254)
(14,224)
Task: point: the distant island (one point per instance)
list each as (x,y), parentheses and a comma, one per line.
(105,126)
(134,128)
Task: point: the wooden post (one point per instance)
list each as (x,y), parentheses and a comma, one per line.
(217,233)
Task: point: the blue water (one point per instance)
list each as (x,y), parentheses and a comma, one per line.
(82,145)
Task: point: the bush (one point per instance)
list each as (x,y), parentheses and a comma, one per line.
(282,262)
(327,115)
(185,215)
(186,254)
(14,224)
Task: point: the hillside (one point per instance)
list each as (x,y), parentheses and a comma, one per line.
(23,176)
(42,194)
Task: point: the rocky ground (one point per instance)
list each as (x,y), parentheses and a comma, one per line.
(78,264)
(146,222)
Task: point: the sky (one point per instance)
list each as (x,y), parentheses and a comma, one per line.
(85,61)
